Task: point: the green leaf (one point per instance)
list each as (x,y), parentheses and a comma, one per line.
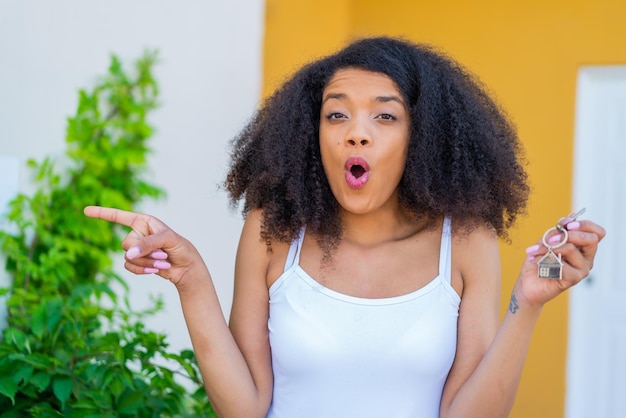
(44,410)
(8,388)
(116,386)
(62,388)
(38,321)
(130,403)
(54,312)
(38,361)
(18,338)
(22,372)
(40,380)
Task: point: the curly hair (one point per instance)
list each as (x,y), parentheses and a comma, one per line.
(464,158)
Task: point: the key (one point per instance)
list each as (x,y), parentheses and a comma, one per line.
(550,266)
(560,225)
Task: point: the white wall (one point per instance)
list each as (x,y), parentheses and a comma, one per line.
(209,75)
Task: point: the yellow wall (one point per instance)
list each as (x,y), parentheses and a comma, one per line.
(528,53)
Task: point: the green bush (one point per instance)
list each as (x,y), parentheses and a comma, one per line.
(72,346)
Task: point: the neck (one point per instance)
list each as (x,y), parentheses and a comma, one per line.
(377,228)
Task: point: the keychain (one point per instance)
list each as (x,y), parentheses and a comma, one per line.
(550,265)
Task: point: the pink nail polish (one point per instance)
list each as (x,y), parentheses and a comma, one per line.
(160,264)
(150,270)
(159,255)
(573,226)
(532,249)
(132,253)
(555,239)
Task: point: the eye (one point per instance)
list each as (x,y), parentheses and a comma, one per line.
(386,116)
(335,116)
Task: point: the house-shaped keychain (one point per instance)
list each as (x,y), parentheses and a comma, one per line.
(550,266)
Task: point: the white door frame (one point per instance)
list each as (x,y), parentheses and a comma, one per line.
(596,361)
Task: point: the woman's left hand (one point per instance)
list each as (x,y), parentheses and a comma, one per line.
(577,256)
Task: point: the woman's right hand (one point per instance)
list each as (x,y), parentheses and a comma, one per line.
(151,246)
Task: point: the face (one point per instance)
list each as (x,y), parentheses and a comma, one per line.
(364,135)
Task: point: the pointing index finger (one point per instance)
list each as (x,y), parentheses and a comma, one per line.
(117,216)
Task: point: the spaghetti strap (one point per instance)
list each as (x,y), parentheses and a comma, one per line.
(293,257)
(445,257)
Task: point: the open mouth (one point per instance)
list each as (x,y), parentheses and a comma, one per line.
(357,172)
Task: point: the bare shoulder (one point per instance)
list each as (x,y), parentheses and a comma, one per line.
(253,250)
(480,234)
(476,263)
(475,256)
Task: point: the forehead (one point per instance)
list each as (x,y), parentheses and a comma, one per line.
(361,80)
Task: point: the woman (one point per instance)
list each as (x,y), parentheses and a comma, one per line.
(375,184)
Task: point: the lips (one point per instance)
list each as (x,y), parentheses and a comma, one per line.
(357,172)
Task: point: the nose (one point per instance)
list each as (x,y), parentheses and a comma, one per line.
(358,134)
(360,141)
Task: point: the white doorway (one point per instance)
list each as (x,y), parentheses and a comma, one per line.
(596,362)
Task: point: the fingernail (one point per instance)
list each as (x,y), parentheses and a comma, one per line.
(150,270)
(554,239)
(532,249)
(159,255)
(572,226)
(160,264)
(530,257)
(132,253)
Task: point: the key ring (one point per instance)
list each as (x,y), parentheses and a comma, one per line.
(559,244)
(550,266)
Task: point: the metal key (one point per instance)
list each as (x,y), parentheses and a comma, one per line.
(550,266)
(560,225)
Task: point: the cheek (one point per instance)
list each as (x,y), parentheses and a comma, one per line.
(395,161)
(330,147)
(326,156)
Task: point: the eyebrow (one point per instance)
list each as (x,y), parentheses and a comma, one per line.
(385,99)
(382,99)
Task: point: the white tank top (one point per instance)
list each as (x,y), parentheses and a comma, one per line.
(335,355)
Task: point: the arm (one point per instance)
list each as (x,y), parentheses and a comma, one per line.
(485,384)
(237,386)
